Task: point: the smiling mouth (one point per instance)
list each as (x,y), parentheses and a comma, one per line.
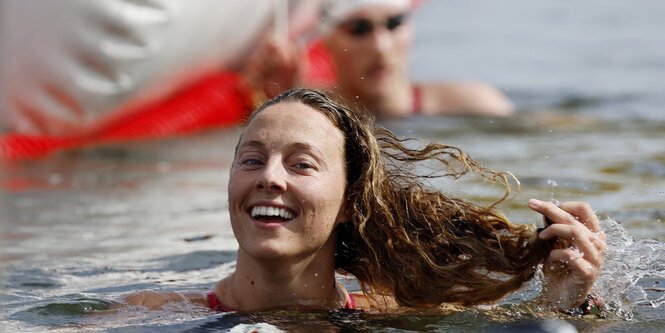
(269,214)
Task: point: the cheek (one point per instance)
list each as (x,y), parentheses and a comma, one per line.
(332,198)
(231,190)
(403,41)
(237,185)
(342,48)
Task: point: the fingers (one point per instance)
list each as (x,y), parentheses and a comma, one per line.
(578,253)
(584,214)
(568,213)
(571,262)
(579,216)
(552,212)
(575,225)
(590,246)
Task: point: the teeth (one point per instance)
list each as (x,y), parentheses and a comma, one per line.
(271,211)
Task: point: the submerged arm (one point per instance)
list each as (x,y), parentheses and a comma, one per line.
(154,300)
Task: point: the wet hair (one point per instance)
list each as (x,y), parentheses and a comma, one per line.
(414,242)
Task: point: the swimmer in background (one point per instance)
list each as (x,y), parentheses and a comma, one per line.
(316,189)
(370,42)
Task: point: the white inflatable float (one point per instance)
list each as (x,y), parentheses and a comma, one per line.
(70,67)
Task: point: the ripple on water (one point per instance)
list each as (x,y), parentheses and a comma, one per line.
(61,311)
(79,306)
(652,167)
(31,279)
(571,184)
(194,260)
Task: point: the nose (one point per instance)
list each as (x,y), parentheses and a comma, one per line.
(381,39)
(272,177)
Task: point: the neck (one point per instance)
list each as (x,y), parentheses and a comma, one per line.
(292,284)
(395,101)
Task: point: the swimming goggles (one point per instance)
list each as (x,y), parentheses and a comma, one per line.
(362,27)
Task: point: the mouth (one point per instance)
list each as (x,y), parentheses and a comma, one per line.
(271,214)
(379,72)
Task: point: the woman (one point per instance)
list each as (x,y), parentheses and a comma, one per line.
(315,188)
(369,43)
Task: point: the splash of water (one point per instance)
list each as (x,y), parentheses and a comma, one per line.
(628,264)
(554,184)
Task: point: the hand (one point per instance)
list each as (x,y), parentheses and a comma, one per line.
(274,66)
(577,256)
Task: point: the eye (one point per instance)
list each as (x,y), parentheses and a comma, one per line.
(304,166)
(359,27)
(251,162)
(395,21)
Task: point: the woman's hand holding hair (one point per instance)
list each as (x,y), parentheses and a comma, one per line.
(577,254)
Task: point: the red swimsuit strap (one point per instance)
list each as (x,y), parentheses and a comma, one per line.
(350,304)
(212,300)
(417,100)
(215,304)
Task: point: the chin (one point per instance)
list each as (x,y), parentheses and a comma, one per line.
(378,94)
(381,86)
(266,250)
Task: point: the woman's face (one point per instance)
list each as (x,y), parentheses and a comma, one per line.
(371,49)
(287,183)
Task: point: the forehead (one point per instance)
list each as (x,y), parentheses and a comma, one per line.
(377,12)
(293,122)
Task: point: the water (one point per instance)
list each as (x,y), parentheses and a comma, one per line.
(81,229)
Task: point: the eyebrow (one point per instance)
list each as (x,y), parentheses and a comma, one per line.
(252,143)
(292,146)
(306,146)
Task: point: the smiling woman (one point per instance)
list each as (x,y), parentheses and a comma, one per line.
(289,159)
(314,190)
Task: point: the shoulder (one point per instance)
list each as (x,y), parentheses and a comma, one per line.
(388,304)
(157,299)
(464,97)
(374,303)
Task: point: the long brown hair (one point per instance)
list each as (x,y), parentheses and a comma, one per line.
(414,242)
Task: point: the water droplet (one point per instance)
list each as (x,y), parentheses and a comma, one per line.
(316,274)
